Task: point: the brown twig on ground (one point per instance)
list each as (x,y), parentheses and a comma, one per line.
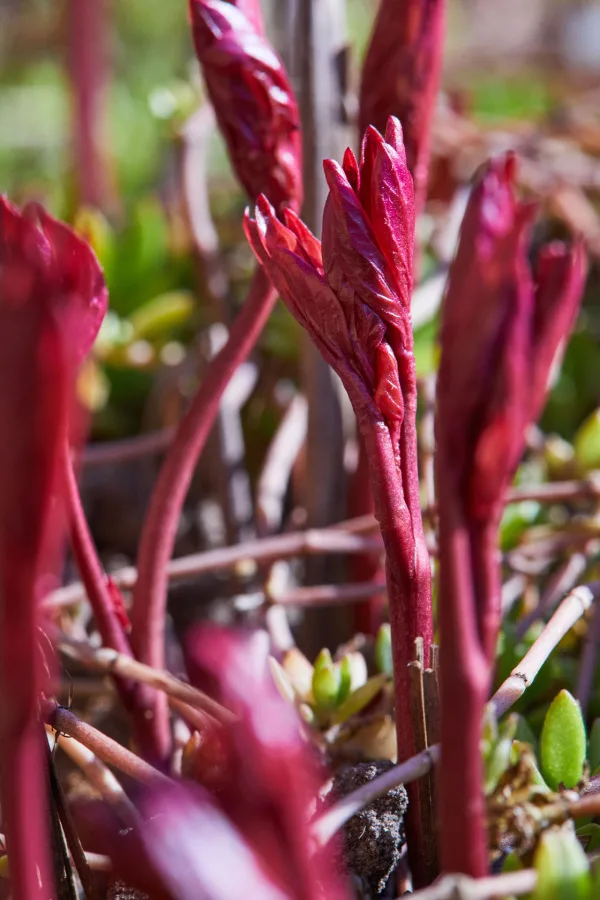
(112,452)
(570,610)
(452,887)
(344,537)
(65,722)
(561,581)
(109,661)
(96,772)
(330,594)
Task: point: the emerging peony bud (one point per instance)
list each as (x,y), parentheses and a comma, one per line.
(252,98)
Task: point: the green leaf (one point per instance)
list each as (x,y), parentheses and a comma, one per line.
(562,867)
(359,699)
(589,837)
(498,759)
(161,315)
(326,682)
(563,742)
(516,519)
(524,733)
(512,863)
(519,749)
(383,650)
(594,746)
(586,443)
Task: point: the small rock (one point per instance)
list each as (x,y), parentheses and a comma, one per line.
(373,840)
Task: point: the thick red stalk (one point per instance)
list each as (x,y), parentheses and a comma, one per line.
(32,415)
(463,694)
(93,576)
(409,596)
(87,63)
(160,526)
(366,567)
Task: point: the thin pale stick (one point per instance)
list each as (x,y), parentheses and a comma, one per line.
(570,611)
(452,887)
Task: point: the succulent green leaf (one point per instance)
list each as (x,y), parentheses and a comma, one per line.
(586,444)
(161,315)
(562,867)
(563,742)
(326,682)
(589,837)
(498,759)
(359,699)
(383,650)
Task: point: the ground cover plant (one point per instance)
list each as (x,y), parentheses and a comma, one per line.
(299,480)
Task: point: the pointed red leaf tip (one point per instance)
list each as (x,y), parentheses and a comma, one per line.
(44,261)
(499,334)
(253,100)
(38,281)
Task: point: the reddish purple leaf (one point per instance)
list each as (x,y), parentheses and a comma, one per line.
(253,101)
(401,74)
(34,294)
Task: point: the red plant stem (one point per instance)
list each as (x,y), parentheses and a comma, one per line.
(409,587)
(487,577)
(464,686)
(368,614)
(87,62)
(160,526)
(90,567)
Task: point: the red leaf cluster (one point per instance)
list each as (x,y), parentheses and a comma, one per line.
(503,324)
(401,74)
(252,98)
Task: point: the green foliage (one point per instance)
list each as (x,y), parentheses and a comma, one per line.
(383,650)
(586,443)
(563,742)
(562,867)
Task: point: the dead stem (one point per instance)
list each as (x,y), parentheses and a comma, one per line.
(461,887)
(64,722)
(96,772)
(570,611)
(109,661)
(345,537)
